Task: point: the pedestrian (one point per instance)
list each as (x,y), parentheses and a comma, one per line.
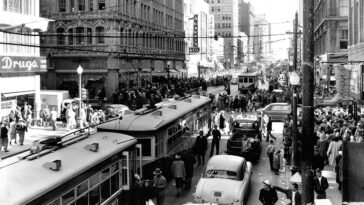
(269,128)
(323,146)
(136,191)
(4,140)
(320,185)
(270,153)
(53,118)
(231,122)
(338,169)
(246,146)
(160,184)
(333,150)
(293,195)
(22,128)
(267,195)
(12,132)
(179,173)
(222,121)
(189,161)
(318,160)
(277,161)
(216,136)
(147,193)
(200,147)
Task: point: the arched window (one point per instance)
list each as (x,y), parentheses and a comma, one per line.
(80,35)
(100,34)
(60,36)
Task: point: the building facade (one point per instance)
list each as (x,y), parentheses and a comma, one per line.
(331,37)
(119,43)
(199,27)
(226,13)
(20,60)
(356,49)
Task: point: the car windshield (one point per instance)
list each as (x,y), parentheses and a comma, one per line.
(239,135)
(221,174)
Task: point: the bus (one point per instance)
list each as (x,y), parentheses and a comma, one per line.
(248,82)
(87,169)
(164,131)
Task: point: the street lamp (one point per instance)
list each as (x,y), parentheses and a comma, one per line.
(80,71)
(294,80)
(198,69)
(168,66)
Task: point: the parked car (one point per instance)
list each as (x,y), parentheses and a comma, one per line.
(114,110)
(277,111)
(226,180)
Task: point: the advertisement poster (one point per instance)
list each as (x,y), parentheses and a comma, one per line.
(6,107)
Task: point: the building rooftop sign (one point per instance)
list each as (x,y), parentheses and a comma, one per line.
(22,64)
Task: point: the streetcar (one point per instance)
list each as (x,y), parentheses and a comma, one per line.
(87,169)
(165,130)
(248,82)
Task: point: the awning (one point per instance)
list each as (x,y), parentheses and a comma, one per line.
(8,95)
(32,22)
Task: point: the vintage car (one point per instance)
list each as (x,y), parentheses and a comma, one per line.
(277,111)
(226,180)
(248,125)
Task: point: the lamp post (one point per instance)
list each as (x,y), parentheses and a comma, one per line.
(198,69)
(168,66)
(80,71)
(294,80)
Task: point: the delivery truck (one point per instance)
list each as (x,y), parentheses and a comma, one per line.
(54,98)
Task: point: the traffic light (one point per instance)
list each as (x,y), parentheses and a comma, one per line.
(84,94)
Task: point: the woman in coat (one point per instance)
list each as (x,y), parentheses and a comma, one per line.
(333,151)
(222,121)
(22,128)
(277,161)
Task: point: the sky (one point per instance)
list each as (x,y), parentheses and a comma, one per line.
(277,11)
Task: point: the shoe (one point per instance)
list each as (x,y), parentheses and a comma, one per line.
(6,150)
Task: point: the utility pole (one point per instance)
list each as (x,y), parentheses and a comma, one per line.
(308,109)
(295,158)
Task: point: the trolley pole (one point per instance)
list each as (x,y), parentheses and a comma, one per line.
(308,109)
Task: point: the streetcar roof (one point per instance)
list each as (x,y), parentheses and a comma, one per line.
(156,119)
(25,180)
(248,74)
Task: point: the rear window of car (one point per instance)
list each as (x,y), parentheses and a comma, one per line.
(279,108)
(221,174)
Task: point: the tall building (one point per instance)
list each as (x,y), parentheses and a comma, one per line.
(226,14)
(119,43)
(20,60)
(331,37)
(199,26)
(356,49)
(246,17)
(261,39)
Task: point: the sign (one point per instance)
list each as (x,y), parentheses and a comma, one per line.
(7,106)
(22,64)
(195,31)
(194,49)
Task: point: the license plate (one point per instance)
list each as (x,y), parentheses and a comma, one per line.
(217,194)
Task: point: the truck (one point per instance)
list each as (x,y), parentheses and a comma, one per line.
(54,98)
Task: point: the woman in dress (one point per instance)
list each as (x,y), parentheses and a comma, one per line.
(333,150)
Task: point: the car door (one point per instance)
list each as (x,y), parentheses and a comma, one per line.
(246,175)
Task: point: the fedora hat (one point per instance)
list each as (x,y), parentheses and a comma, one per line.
(267,182)
(157,171)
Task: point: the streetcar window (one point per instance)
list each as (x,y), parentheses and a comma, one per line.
(105,190)
(241,80)
(55,202)
(82,200)
(105,174)
(146,146)
(251,80)
(68,197)
(94,196)
(114,168)
(115,183)
(95,180)
(245,80)
(82,188)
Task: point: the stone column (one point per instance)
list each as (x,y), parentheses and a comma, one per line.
(76,6)
(87,5)
(96,5)
(68,6)
(112,77)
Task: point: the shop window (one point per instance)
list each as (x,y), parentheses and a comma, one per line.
(62,5)
(80,35)
(101,4)
(70,36)
(60,36)
(100,34)
(81,5)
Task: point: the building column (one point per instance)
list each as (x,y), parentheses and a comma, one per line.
(112,77)
(87,5)
(68,6)
(76,6)
(96,5)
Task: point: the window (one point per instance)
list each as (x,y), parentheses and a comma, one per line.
(70,36)
(100,35)
(91,5)
(80,35)
(62,5)
(94,196)
(222,174)
(82,188)
(101,4)
(81,5)
(72,3)
(60,36)
(68,197)
(344,39)
(89,36)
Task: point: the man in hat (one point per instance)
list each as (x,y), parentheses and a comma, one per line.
(200,147)
(160,184)
(320,185)
(179,173)
(293,195)
(216,136)
(267,195)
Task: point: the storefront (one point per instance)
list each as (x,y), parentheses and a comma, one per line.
(19,83)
